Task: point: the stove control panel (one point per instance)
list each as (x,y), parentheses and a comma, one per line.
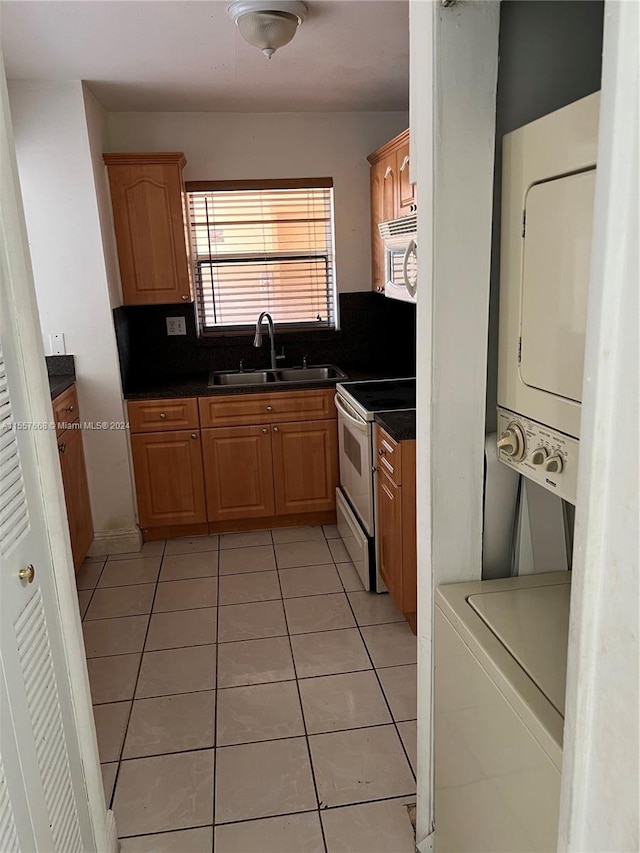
(546,456)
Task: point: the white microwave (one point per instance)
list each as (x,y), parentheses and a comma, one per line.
(399,238)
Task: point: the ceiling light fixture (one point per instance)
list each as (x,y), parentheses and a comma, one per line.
(267,24)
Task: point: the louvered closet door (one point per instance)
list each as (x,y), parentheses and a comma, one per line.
(43,801)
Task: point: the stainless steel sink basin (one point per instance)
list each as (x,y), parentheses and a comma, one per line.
(257,377)
(311,374)
(263,377)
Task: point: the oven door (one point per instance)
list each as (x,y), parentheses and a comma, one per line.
(356,476)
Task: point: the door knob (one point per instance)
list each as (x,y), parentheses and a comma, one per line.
(27,574)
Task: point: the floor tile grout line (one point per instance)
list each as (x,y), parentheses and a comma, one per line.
(384,695)
(304,721)
(215,712)
(135,685)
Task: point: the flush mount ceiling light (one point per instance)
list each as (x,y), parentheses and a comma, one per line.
(267,24)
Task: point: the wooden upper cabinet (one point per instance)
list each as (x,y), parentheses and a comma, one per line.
(406,191)
(147,195)
(392,196)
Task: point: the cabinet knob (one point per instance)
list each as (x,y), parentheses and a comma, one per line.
(62,447)
(275,429)
(184,296)
(269,408)
(69,409)
(381,451)
(162,416)
(194,435)
(265,430)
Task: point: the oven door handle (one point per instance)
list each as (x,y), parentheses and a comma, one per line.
(362,425)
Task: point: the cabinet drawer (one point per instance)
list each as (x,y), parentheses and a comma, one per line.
(389,455)
(65,409)
(156,415)
(241,409)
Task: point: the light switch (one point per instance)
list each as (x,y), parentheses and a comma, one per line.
(176,326)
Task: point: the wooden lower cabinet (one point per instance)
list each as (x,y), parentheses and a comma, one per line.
(169,478)
(305,466)
(76,493)
(396,519)
(238,472)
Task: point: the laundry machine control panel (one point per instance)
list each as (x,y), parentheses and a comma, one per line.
(541,453)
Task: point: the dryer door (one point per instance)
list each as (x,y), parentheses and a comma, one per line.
(555,279)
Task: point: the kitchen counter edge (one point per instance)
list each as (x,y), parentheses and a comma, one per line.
(400,425)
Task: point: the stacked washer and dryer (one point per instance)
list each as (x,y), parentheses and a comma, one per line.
(500,645)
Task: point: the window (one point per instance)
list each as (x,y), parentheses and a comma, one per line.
(263,246)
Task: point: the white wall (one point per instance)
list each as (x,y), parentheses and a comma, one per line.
(454,62)
(63,224)
(226,146)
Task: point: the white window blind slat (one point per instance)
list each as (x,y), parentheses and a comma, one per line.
(264,250)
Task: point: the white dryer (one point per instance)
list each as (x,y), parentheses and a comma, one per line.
(500,672)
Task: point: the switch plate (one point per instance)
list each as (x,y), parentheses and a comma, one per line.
(176,326)
(56,343)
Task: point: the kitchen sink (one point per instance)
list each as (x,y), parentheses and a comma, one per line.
(261,377)
(257,377)
(310,374)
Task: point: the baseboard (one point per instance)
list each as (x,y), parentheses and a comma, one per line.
(113,845)
(116,542)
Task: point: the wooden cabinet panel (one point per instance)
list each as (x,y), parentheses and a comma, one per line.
(169,478)
(76,492)
(305,466)
(238,472)
(389,455)
(405,189)
(65,409)
(390,535)
(377,215)
(147,196)
(277,407)
(153,415)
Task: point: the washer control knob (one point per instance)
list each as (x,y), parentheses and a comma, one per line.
(554,464)
(539,455)
(511,442)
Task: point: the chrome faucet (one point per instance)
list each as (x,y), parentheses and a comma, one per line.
(257,341)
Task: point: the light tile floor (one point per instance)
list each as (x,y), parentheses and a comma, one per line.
(250,697)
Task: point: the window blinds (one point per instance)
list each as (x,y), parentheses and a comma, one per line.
(263,247)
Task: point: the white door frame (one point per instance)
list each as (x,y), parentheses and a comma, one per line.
(38,395)
(599,805)
(454,54)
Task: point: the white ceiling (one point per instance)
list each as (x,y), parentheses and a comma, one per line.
(183,55)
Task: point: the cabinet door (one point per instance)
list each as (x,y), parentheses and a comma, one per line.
(76,493)
(238,472)
(147,199)
(390,535)
(377,216)
(169,480)
(305,466)
(406,190)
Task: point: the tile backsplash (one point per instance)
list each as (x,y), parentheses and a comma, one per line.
(376,334)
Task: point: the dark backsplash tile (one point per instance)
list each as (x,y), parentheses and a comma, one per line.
(375,332)
(60,365)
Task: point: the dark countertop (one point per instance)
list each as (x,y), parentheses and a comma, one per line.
(401,425)
(195,385)
(62,373)
(58,384)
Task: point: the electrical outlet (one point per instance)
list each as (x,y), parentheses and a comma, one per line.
(176,326)
(56,343)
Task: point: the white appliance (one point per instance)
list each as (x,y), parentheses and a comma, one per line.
(399,237)
(547,213)
(357,403)
(500,673)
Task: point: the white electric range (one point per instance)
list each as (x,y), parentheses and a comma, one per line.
(357,403)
